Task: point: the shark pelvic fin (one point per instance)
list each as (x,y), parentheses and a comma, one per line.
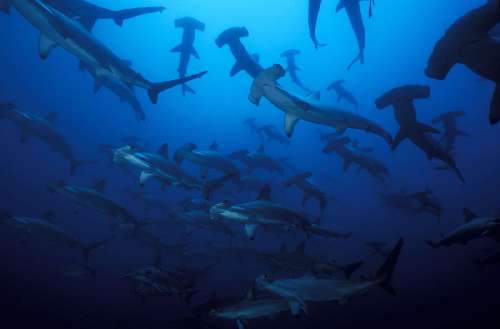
(45,46)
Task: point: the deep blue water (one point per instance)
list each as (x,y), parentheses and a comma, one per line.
(436,288)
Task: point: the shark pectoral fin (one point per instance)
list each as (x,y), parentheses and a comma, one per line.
(45,46)
(495,106)
(290,123)
(427,129)
(256,93)
(241,323)
(193,52)
(177,49)
(400,136)
(250,230)
(144,177)
(237,67)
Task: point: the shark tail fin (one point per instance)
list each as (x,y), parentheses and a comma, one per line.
(157,88)
(385,272)
(187,89)
(495,106)
(75,164)
(87,249)
(351,268)
(359,58)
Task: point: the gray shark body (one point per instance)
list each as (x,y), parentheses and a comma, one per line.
(309,189)
(428,204)
(124,93)
(292,68)
(260,212)
(343,93)
(199,219)
(353,10)
(186,48)
(249,309)
(308,288)
(208,159)
(313,13)
(259,160)
(401,99)
(48,231)
(58,29)
(88,13)
(474,228)
(468,41)
(372,166)
(93,198)
(296,109)
(298,262)
(33,126)
(244,61)
(451,130)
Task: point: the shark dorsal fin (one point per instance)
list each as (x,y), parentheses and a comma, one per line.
(265,193)
(51,117)
(214,146)
(48,215)
(301,248)
(163,150)
(100,186)
(469,215)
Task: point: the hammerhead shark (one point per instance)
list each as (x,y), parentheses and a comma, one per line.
(401,99)
(343,93)
(244,61)
(353,11)
(186,48)
(451,131)
(314,7)
(292,68)
(88,13)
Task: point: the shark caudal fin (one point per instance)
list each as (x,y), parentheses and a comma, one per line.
(157,88)
(385,272)
(75,164)
(495,106)
(359,58)
(121,15)
(87,249)
(351,268)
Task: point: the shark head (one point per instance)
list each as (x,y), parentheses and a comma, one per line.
(120,154)
(220,210)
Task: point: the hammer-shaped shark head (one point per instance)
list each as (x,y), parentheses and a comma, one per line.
(120,154)
(402,94)
(231,35)
(189,23)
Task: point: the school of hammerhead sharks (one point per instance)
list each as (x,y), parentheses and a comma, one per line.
(298,279)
